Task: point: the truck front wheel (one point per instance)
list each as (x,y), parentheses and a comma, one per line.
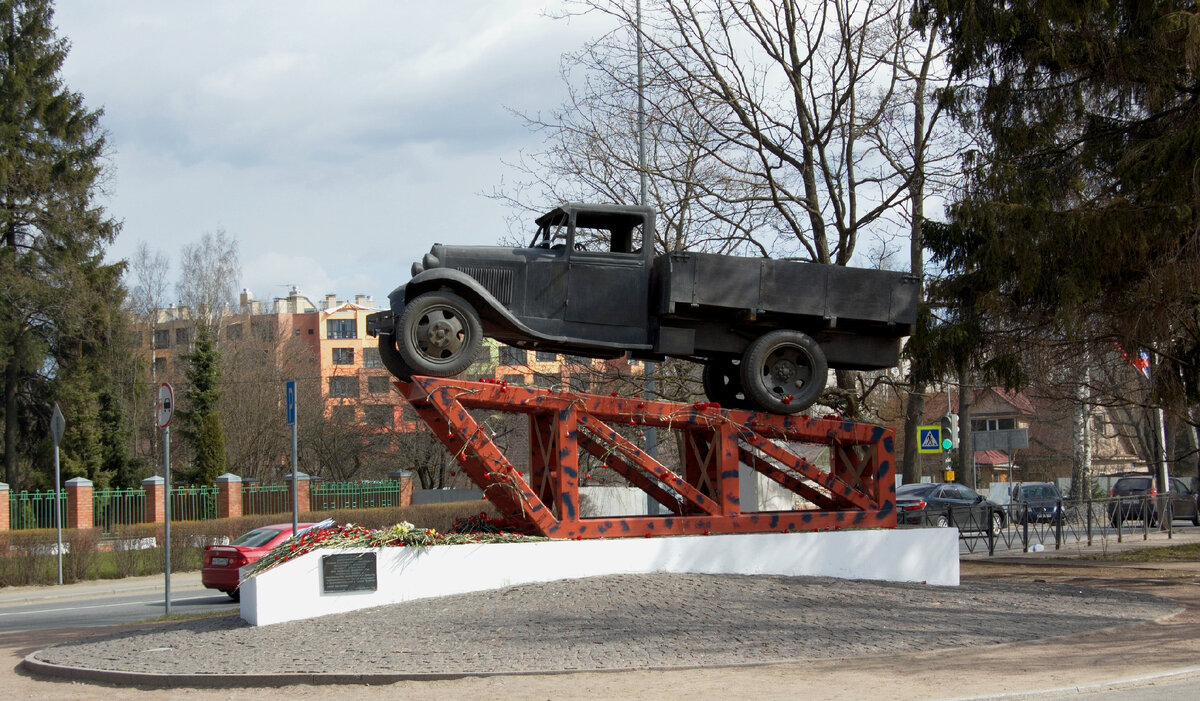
(784,371)
(439,334)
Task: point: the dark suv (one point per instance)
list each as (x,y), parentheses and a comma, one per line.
(1135,498)
(1035,501)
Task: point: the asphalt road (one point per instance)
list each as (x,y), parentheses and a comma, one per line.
(87,607)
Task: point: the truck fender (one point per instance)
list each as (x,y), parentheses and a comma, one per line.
(486,305)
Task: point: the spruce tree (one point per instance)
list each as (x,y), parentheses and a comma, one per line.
(1080,220)
(199,420)
(52,235)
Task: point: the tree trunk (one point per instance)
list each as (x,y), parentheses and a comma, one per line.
(913,411)
(966,456)
(1081,468)
(11,425)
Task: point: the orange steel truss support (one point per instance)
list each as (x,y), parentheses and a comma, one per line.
(719,448)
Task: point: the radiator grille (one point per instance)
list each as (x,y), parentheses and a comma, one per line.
(498,281)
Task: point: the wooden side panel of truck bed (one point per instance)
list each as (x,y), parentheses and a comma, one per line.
(879,300)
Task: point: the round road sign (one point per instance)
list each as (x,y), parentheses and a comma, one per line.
(166,404)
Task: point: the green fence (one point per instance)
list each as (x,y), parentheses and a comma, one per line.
(28,510)
(325,496)
(193,503)
(262,499)
(118,507)
(112,508)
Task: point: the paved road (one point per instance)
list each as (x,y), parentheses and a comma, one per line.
(91,604)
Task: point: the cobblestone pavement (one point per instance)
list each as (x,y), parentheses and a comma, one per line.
(626,622)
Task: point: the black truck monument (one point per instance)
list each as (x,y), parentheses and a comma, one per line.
(590,284)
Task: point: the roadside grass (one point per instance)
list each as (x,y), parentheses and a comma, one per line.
(1170,553)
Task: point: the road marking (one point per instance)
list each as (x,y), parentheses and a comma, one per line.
(102,606)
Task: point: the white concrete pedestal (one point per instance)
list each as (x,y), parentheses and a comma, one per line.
(294,590)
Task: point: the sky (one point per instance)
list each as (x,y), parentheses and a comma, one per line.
(336,141)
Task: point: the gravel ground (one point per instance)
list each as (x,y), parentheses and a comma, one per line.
(624,622)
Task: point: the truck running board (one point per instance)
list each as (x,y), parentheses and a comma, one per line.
(700,496)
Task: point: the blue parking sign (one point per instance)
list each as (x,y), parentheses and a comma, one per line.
(291,402)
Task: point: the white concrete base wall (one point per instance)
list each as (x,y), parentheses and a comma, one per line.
(293,591)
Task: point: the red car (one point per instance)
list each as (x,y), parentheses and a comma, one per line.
(222,562)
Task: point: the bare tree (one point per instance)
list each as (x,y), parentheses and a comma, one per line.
(209,274)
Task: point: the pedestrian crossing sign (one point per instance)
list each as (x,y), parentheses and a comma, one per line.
(929,439)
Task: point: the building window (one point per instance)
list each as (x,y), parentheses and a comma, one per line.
(342,414)
(546,357)
(379,415)
(182,337)
(517,380)
(160,365)
(993,424)
(162,338)
(233,332)
(512,356)
(371,358)
(544,380)
(343,386)
(341,328)
(343,356)
(379,384)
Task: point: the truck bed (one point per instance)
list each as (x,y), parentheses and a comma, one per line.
(877,302)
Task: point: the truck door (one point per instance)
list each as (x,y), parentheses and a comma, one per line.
(608,280)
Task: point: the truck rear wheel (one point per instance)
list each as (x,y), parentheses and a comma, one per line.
(722,380)
(439,334)
(784,371)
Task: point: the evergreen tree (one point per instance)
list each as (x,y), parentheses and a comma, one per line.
(1080,222)
(199,420)
(52,237)
(210,461)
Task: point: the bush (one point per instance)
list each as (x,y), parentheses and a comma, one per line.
(27,557)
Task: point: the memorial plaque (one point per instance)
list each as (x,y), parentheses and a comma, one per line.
(348,572)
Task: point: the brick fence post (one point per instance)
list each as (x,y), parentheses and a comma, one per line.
(154,487)
(229,496)
(303,494)
(4,497)
(404,477)
(79,503)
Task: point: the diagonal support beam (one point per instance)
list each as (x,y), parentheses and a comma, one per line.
(640,460)
(836,487)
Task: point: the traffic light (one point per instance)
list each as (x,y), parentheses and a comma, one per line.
(949,431)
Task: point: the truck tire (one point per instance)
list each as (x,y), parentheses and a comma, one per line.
(784,371)
(439,334)
(390,357)
(722,380)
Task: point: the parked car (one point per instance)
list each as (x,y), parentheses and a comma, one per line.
(222,562)
(1136,498)
(1035,502)
(946,504)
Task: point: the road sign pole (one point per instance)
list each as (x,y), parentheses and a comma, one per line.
(58,515)
(166,409)
(290,392)
(57,424)
(167,514)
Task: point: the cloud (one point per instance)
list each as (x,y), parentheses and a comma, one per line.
(336,141)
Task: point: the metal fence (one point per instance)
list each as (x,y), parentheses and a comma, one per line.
(262,499)
(193,503)
(28,510)
(118,507)
(1069,523)
(325,496)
